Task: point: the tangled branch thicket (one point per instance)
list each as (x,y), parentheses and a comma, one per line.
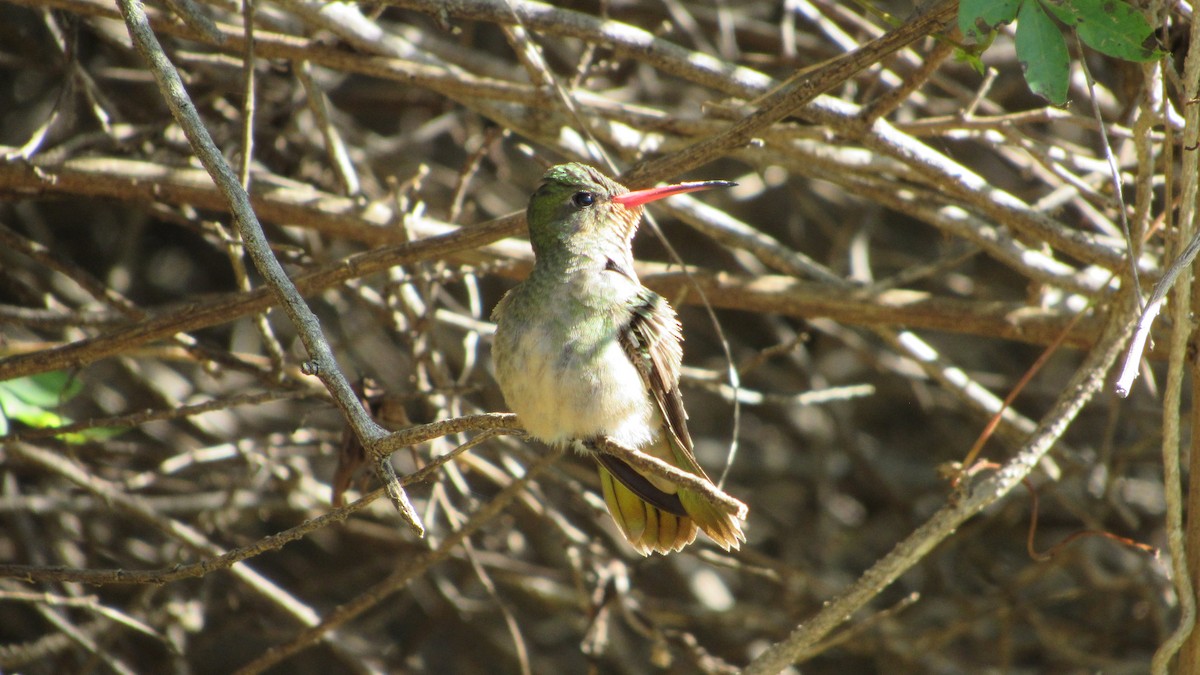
(898,253)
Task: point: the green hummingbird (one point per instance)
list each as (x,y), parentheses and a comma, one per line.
(583,350)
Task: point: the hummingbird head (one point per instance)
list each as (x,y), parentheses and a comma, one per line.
(581,210)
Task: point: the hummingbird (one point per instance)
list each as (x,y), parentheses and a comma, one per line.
(583,350)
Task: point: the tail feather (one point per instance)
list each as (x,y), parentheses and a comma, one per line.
(724,529)
(652,529)
(648,528)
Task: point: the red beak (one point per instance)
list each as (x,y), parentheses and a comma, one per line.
(635,199)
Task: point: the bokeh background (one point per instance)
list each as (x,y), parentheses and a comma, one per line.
(895,258)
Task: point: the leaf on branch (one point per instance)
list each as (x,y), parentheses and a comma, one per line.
(1110,27)
(978,19)
(1042,52)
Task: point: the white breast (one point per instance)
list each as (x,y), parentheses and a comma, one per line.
(560,398)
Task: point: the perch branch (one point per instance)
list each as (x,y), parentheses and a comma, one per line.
(643,462)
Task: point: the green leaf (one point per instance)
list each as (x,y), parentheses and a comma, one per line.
(970,58)
(44,390)
(30,400)
(1110,27)
(1065,11)
(978,18)
(94,434)
(1042,52)
(15,407)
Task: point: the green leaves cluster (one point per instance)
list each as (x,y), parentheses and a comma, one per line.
(1110,27)
(32,400)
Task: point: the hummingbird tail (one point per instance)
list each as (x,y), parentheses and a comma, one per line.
(723,528)
(649,528)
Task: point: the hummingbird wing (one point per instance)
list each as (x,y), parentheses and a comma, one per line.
(652,341)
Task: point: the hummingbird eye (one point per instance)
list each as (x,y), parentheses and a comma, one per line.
(582,199)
